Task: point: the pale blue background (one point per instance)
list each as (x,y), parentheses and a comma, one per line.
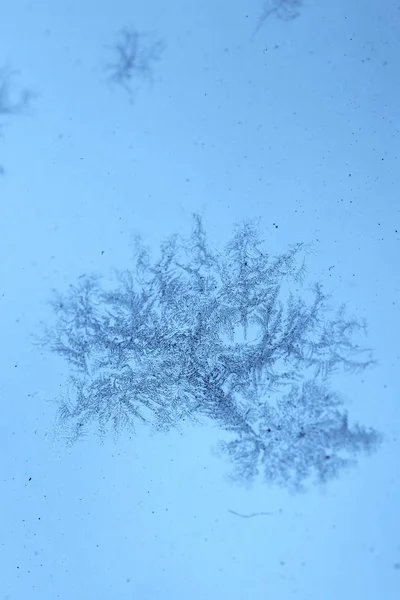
(300,126)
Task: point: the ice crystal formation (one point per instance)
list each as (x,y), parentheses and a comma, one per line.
(9,105)
(286,10)
(133,60)
(217,336)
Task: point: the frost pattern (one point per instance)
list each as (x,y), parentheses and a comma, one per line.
(134,60)
(11,103)
(206,336)
(286,10)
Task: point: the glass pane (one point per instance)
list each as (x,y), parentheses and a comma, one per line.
(199,238)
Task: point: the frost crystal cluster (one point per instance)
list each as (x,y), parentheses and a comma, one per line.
(201,335)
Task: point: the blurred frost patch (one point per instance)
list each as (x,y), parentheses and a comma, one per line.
(134,57)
